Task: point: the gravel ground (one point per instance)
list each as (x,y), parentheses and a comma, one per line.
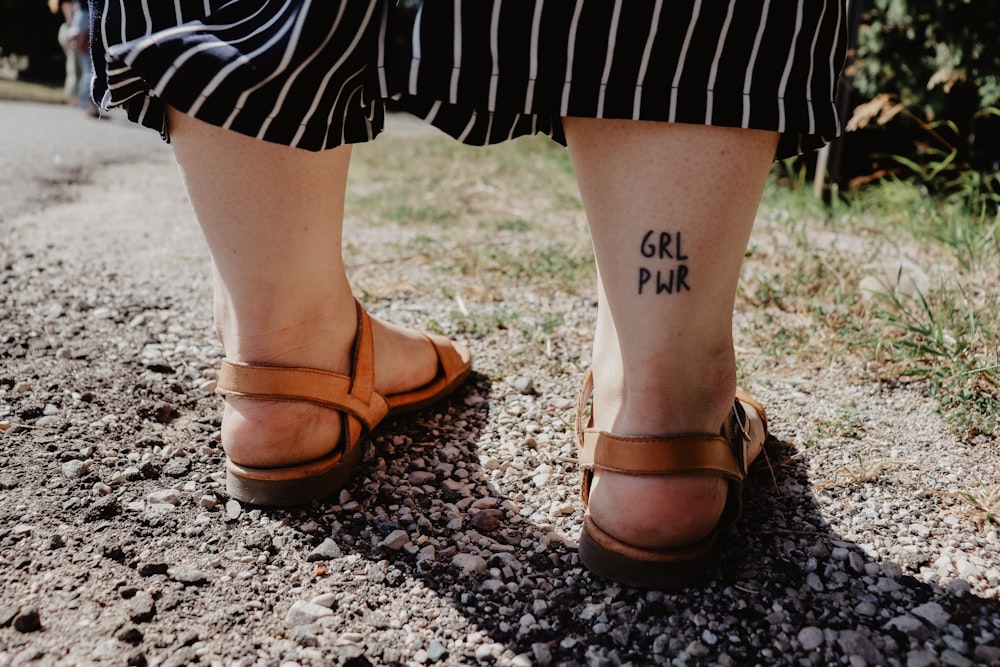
(456,543)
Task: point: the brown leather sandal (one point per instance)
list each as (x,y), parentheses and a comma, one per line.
(721,455)
(361,407)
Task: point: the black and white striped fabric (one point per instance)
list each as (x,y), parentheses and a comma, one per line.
(514,67)
(298,72)
(314,73)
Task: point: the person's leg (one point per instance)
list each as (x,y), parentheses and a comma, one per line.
(272,217)
(670,209)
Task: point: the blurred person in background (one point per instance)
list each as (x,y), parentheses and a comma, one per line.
(74,37)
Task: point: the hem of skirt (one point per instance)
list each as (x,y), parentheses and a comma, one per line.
(471,125)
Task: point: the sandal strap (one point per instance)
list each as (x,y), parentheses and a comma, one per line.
(720,455)
(354,395)
(684,454)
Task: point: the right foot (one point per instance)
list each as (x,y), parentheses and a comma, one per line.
(674,511)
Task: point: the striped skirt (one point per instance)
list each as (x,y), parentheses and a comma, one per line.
(315,74)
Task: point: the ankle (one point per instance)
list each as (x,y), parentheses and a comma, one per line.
(317,335)
(650,401)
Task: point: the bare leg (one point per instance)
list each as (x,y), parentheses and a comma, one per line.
(273,218)
(670,209)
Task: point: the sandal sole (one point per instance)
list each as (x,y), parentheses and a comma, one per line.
(639,568)
(292,486)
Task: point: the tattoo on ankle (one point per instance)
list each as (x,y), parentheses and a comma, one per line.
(665,247)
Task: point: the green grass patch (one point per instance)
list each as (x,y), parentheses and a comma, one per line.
(905,287)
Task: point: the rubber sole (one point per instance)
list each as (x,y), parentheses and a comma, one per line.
(292,486)
(610,559)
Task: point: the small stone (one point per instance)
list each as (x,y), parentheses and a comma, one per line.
(104,507)
(967,570)
(176,467)
(484,652)
(142,607)
(542,653)
(164,497)
(420,477)
(865,609)
(396,540)
(304,613)
(148,569)
(76,469)
(907,624)
(523,385)
(958,588)
(933,613)
(327,550)
(327,600)
(233,509)
(696,649)
(453,488)
(810,638)
(130,634)
(436,651)
(469,563)
(28,620)
(188,576)
(487,520)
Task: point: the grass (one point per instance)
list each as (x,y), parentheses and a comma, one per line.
(23,91)
(900,285)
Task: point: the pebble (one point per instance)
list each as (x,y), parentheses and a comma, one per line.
(327,600)
(188,576)
(142,607)
(396,540)
(487,520)
(523,385)
(469,563)
(421,477)
(436,651)
(28,620)
(696,649)
(75,469)
(327,550)
(304,613)
(164,497)
(810,637)
(933,613)
(906,623)
(233,509)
